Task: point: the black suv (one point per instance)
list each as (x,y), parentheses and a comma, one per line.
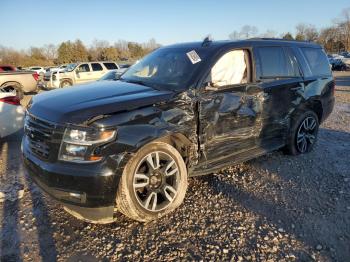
(184,110)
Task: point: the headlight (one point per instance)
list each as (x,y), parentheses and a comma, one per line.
(79,145)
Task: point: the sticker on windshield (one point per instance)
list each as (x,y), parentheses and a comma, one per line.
(194,57)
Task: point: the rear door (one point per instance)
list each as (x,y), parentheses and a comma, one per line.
(280,77)
(97,71)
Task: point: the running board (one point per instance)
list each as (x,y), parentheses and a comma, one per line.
(207,167)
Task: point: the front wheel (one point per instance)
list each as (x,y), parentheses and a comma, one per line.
(154,183)
(65,83)
(303,133)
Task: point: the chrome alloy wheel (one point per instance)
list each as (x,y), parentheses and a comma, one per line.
(155,181)
(306,135)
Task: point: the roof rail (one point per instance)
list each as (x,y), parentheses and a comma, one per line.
(278,39)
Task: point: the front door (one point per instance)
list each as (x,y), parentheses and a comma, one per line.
(229,116)
(83,74)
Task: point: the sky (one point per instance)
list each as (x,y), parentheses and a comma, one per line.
(35,23)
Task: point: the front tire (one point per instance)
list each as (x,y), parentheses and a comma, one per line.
(153,183)
(65,83)
(303,135)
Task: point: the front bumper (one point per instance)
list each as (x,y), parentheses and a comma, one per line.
(87,191)
(48,84)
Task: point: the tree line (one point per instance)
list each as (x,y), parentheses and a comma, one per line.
(74,51)
(334,38)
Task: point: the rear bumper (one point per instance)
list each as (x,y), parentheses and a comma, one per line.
(87,191)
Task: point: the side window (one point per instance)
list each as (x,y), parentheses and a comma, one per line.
(96,67)
(317,60)
(84,68)
(275,63)
(230,69)
(110,66)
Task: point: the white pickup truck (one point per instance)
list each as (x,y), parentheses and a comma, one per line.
(78,73)
(18,81)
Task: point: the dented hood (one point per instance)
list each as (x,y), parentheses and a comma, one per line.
(80,103)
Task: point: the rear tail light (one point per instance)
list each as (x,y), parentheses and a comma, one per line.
(12,100)
(36,76)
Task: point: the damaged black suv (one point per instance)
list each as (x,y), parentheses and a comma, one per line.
(184,110)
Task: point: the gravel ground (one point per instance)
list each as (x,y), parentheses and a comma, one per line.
(276,208)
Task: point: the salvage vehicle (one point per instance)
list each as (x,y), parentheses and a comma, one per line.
(183,110)
(18,81)
(11,114)
(77,73)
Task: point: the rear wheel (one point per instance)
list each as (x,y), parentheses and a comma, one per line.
(154,183)
(303,135)
(14,88)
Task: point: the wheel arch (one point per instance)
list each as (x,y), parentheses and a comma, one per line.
(10,83)
(181,143)
(66,79)
(314,105)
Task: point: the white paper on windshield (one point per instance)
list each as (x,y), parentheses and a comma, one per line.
(194,57)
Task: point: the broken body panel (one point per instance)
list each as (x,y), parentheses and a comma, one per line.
(210,127)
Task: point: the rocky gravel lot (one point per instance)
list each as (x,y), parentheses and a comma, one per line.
(274,208)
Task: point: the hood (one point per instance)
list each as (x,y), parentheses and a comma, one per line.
(79,103)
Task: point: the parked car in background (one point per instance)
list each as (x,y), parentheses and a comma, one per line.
(18,81)
(55,69)
(183,110)
(7,68)
(11,114)
(39,70)
(78,73)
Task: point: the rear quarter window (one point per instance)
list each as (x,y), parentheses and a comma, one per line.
(110,66)
(317,60)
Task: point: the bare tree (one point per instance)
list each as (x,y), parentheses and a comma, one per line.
(247,31)
(306,32)
(50,51)
(269,34)
(234,35)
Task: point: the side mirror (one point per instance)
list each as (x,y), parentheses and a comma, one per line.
(118,76)
(77,73)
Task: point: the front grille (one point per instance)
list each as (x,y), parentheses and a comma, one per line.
(47,78)
(43,136)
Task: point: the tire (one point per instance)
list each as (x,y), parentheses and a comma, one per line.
(305,127)
(143,192)
(65,83)
(13,86)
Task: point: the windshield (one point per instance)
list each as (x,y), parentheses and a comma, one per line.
(168,68)
(70,67)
